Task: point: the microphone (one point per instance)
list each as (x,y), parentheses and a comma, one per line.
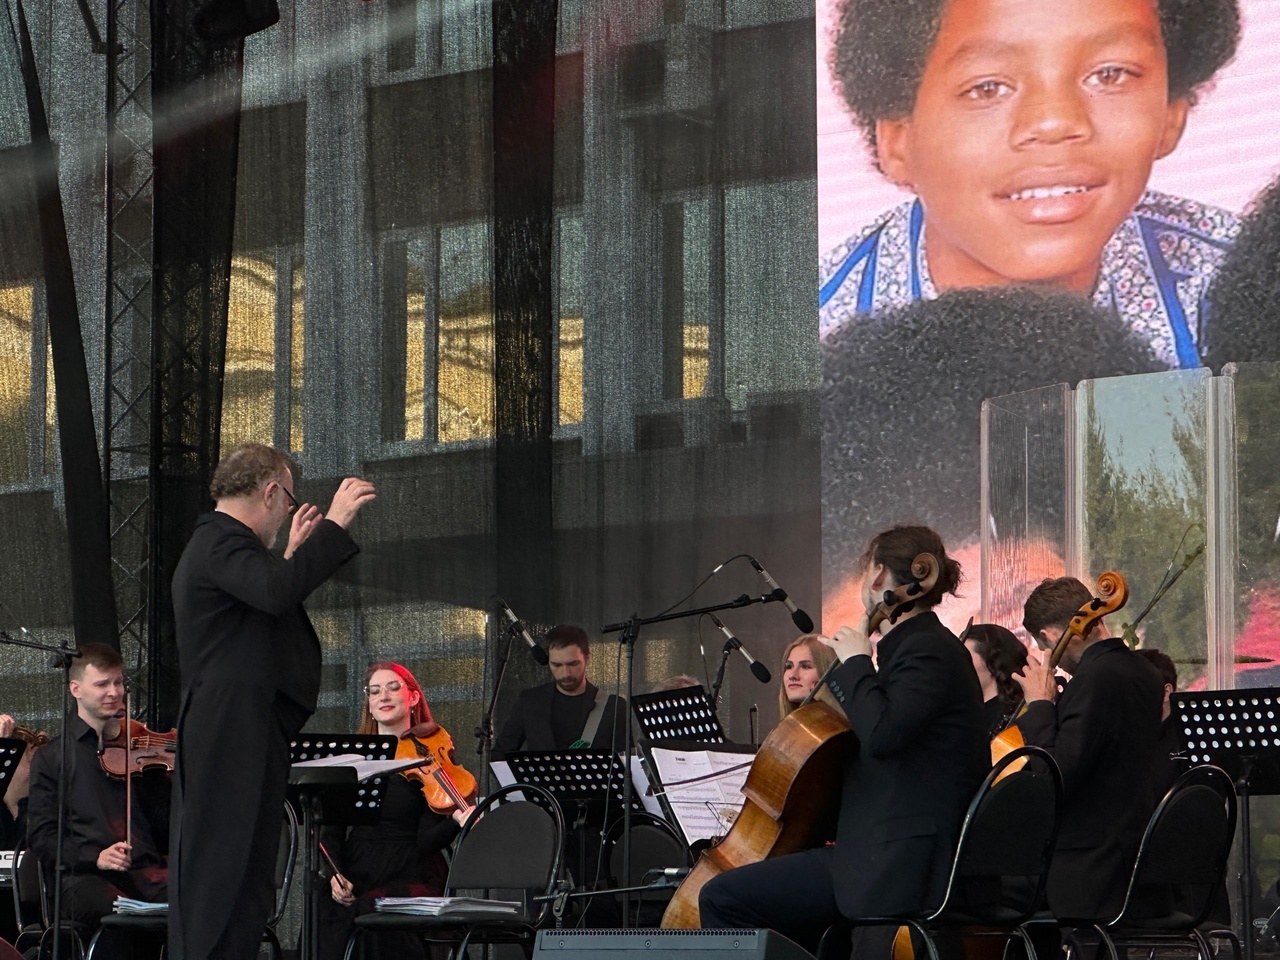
(666,873)
(538,653)
(759,669)
(801,619)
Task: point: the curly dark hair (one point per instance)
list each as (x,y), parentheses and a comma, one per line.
(1244,300)
(898,547)
(1004,655)
(880,48)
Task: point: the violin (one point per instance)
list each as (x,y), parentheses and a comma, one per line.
(1112,594)
(446,784)
(138,750)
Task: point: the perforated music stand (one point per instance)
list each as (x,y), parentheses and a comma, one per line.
(331,795)
(1239,731)
(580,776)
(11,750)
(682,714)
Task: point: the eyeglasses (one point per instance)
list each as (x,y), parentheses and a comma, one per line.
(395,686)
(293,501)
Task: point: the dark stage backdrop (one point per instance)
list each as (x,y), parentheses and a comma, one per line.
(582,375)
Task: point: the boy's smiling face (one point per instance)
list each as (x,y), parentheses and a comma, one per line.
(1033,135)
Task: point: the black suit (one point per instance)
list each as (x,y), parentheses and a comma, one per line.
(922,752)
(1103,732)
(529,726)
(250,664)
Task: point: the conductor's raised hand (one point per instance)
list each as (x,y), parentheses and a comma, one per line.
(353,493)
(304,521)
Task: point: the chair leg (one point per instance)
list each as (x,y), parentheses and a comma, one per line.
(1021,934)
(93,943)
(929,945)
(351,944)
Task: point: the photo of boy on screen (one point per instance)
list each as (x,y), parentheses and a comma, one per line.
(1027,131)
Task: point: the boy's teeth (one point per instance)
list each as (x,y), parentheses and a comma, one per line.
(1044,193)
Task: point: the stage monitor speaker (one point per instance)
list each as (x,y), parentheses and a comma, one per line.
(666,945)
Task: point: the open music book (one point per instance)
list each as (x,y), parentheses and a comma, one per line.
(446,906)
(703,787)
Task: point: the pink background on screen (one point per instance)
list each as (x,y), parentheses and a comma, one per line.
(1230,151)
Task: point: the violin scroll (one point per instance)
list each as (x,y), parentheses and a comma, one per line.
(1112,594)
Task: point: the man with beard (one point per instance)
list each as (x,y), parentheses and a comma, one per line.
(250,663)
(568,713)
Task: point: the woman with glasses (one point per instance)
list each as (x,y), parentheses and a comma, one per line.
(402,854)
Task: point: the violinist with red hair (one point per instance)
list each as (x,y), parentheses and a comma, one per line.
(402,854)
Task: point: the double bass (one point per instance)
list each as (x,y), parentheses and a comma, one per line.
(791,799)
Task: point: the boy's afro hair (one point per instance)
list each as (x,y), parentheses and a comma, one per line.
(880,48)
(1244,300)
(902,394)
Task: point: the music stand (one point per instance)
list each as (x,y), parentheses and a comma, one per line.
(681,714)
(582,776)
(11,750)
(1239,731)
(331,795)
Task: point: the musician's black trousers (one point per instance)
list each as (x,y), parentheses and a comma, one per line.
(794,895)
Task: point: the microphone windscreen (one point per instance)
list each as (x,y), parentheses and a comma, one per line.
(761,671)
(539,654)
(802,621)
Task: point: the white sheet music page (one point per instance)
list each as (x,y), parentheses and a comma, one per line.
(704,788)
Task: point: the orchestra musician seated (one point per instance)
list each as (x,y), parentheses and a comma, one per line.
(997,655)
(804,661)
(921,754)
(1104,732)
(402,855)
(105,853)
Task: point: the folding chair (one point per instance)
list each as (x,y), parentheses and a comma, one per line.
(512,841)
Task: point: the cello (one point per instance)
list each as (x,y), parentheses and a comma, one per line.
(791,798)
(1112,594)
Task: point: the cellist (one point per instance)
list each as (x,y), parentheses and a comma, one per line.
(1103,731)
(921,754)
(402,854)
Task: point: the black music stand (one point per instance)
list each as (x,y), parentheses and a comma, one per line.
(11,750)
(1239,731)
(587,777)
(331,795)
(685,713)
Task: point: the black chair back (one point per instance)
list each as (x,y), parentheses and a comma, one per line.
(1184,851)
(28,908)
(1006,842)
(286,860)
(511,841)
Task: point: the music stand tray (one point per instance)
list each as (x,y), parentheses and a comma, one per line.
(685,713)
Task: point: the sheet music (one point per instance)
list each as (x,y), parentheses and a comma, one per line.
(703,787)
(364,769)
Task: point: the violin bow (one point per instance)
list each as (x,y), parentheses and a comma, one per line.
(128,779)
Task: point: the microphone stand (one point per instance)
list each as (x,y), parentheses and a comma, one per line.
(62,657)
(715,687)
(484,733)
(629,631)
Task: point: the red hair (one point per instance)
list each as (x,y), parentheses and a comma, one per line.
(418,713)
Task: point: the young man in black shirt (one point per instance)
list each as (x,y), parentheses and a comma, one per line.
(568,713)
(99,864)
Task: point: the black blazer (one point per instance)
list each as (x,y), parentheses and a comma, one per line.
(922,753)
(1103,732)
(529,726)
(238,607)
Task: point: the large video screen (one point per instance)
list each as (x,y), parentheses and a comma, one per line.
(1014,194)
